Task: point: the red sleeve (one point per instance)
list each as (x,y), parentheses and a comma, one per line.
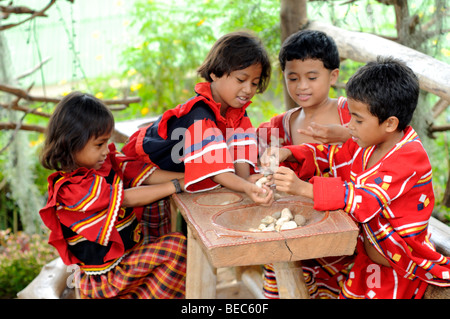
(329,193)
(134,169)
(324,160)
(306,165)
(84,202)
(242,143)
(90,207)
(206,155)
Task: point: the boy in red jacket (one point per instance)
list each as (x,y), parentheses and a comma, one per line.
(388,191)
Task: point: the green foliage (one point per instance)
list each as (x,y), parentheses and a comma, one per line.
(22,257)
(440,162)
(167,52)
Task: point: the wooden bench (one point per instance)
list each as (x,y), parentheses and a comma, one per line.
(440,237)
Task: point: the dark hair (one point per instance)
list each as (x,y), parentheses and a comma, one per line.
(388,87)
(236,51)
(310,44)
(77,118)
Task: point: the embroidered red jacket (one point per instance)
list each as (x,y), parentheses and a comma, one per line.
(196,139)
(392,201)
(84,212)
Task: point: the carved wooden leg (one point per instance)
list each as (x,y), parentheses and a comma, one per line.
(290,280)
(201,277)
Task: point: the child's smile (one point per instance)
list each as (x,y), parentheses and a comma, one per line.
(236,89)
(308,81)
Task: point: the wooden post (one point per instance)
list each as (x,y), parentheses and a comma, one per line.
(290,280)
(201,277)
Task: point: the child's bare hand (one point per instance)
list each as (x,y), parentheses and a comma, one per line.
(260,195)
(287,181)
(254,177)
(326,134)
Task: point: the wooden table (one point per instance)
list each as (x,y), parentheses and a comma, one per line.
(218,236)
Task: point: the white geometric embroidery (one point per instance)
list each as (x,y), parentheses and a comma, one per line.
(422,198)
(358,199)
(387,179)
(371,294)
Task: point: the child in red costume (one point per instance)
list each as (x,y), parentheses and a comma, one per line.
(310,63)
(95,206)
(388,190)
(210,136)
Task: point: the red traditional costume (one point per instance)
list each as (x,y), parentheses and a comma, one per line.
(392,201)
(324,276)
(89,227)
(196,139)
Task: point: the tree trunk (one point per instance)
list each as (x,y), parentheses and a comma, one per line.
(293,17)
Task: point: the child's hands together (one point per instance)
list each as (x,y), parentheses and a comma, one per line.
(287,181)
(260,195)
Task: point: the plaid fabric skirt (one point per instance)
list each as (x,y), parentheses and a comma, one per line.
(155,220)
(155,269)
(324,277)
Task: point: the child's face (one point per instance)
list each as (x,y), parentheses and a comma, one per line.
(364,127)
(94,153)
(236,89)
(308,82)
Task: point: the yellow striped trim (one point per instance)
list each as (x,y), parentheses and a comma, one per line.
(93,219)
(79,207)
(425,180)
(111,215)
(414,229)
(138,178)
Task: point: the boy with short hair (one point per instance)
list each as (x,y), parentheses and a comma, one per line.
(310,63)
(309,60)
(388,191)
